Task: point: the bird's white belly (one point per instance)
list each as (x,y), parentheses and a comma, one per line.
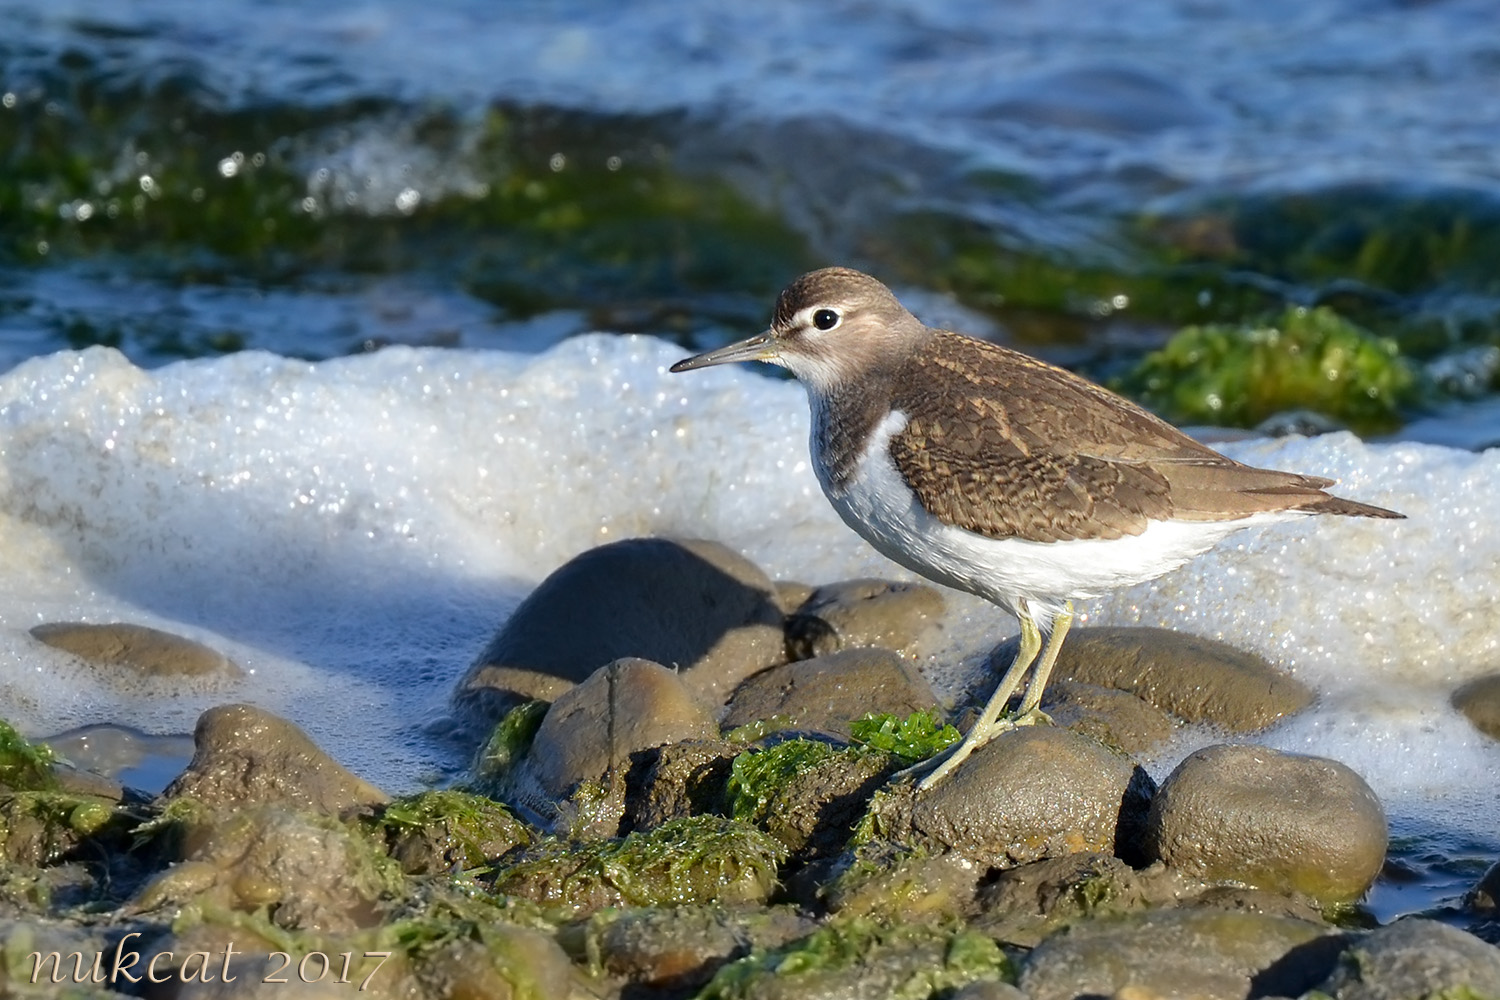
(879,505)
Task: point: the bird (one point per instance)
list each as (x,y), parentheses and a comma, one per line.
(993,472)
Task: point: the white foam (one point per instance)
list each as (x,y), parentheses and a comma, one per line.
(353,531)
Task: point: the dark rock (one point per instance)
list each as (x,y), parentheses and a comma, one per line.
(904,617)
(810,795)
(311,872)
(829,692)
(1203,954)
(1029,793)
(1274,820)
(626,706)
(136,650)
(1479,701)
(691,604)
(1115,718)
(1485,896)
(681,947)
(1195,679)
(435,832)
(1025,904)
(679,780)
(244,756)
(1416,958)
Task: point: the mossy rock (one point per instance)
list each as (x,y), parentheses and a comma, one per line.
(1314,359)
(700,859)
(433,832)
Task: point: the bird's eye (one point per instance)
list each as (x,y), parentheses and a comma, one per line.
(825,319)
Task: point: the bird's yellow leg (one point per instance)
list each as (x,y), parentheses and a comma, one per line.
(988,722)
(1030,710)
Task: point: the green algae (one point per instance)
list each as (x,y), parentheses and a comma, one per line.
(506,746)
(859,958)
(1233,375)
(439,830)
(757,777)
(699,859)
(24,766)
(914,738)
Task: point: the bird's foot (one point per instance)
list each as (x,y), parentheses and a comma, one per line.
(939,766)
(1032,718)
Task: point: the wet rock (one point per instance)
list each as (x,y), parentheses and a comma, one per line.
(627,706)
(1479,701)
(863,960)
(119,648)
(1416,958)
(1203,954)
(679,780)
(681,947)
(310,872)
(1115,718)
(439,831)
(829,692)
(910,886)
(1195,679)
(1278,821)
(1485,896)
(792,594)
(904,617)
(705,859)
(501,962)
(1030,793)
(1025,904)
(691,604)
(989,990)
(807,794)
(244,756)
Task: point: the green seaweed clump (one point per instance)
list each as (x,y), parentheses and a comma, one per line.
(436,831)
(24,766)
(757,776)
(915,738)
(697,859)
(508,743)
(1311,359)
(859,957)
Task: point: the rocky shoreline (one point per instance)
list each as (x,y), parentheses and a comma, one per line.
(688,783)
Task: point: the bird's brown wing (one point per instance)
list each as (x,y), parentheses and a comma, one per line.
(1008,446)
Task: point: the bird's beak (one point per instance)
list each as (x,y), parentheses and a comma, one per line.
(757,348)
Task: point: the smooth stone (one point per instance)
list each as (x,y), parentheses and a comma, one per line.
(1192,678)
(627,706)
(1182,954)
(503,962)
(244,756)
(692,604)
(829,692)
(1278,821)
(312,872)
(1030,793)
(681,947)
(905,617)
(1479,701)
(679,780)
(792,594)
(1416,958)
(1115,718)
(136,650)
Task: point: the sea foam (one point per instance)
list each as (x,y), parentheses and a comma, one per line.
(352,532)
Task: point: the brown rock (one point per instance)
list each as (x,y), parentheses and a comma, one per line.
(245,756)
(691,604)
(678,780)
(501,962)
(681,947)
(627,706)
(1195,679)
(1025,904)
(312,872)
(1274,820)
(1415,958)
(1202,954)
(1115,718)
(1030,793)
(904,617)
(1479,701)
(829,692)
(136,651)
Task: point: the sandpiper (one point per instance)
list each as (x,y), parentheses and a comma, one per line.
(992,472)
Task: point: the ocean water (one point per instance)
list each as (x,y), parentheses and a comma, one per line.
(326,333)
